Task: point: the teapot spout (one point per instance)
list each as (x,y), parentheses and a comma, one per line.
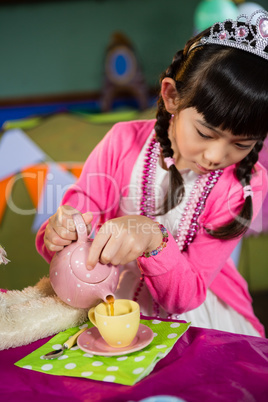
(109,299)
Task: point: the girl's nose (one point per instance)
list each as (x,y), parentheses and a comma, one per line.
(215,154)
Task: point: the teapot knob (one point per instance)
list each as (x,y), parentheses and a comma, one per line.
(80,228)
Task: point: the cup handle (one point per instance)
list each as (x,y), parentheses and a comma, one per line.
(91,316)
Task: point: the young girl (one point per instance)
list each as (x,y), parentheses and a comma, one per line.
(170,199)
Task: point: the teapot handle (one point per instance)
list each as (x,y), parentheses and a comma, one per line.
(80,228)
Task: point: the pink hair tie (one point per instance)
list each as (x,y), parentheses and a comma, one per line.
(247,191)
(169,161)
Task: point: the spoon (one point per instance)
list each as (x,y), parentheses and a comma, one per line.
(67,345)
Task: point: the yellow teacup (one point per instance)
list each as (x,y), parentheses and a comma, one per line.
(120,329)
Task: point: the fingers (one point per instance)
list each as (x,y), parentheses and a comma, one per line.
(117,251)
(61,229)
(113,252)
(97,247)
(64,228)
(113,246)
(133,254)
(64,218)
(124,239)
(53,241)
(88,216)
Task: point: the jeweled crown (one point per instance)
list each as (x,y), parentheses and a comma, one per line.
(248,33)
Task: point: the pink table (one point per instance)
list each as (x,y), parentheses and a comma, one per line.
(204,365)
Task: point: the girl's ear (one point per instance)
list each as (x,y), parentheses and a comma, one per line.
(170,95)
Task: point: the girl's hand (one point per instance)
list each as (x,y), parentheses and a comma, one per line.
(60,230)
(122,240)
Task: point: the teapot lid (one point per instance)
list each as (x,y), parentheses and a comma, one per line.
(79,256)
(80,270)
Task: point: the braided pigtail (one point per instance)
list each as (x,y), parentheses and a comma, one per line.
(163,117)
(242,221)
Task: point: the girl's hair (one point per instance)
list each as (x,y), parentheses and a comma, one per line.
(229,87)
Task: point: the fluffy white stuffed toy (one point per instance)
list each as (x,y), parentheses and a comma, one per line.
(34,313)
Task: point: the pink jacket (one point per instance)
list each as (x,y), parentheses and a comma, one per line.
(177,281)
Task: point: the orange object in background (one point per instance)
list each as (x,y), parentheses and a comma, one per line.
(5,190)
(34,178)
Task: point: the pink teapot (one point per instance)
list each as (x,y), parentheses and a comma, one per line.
(73,282)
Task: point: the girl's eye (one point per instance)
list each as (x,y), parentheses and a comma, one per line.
(203,135)
(242,146)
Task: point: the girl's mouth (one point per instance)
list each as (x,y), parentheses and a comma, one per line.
(201,168)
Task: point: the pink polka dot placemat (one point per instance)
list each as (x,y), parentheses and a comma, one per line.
(125,369)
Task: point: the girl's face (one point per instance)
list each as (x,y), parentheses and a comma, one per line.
(201,147)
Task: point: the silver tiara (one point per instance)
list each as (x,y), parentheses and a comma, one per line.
(242,33)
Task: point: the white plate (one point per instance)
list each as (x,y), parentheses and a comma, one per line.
(91,341)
